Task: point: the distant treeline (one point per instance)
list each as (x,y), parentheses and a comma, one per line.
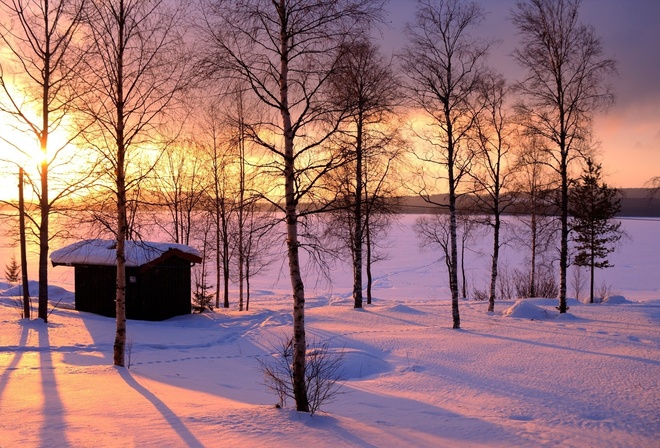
(634,202)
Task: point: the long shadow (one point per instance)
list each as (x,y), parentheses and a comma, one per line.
(401,415)
(18,354)
(53,428)
(175,422)
(102,331)
(572,349)
(330,424)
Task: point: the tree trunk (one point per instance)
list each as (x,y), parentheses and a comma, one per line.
(24,268)
(299,339)
(357,238)
(218,226)
(453,262)
(463,276)
(370,280)
(247,287)
(225,252)
(291,217)
(453,275)
(563,256)
(122,223)
(496,254)
(218,276)
(592,266)
(241,207)
(43,233)
(532,267)
(120,301)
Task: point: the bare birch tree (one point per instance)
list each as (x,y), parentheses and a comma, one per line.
(563,87)
(178,187)
(534,187)
(215,140)
(445,66)
(366,87)
(38,88)
(493,170)
(137,69)
(254,222)
(285,51)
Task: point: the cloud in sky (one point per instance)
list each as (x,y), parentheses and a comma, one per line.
(630,132)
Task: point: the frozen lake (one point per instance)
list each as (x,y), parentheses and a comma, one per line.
(413,273)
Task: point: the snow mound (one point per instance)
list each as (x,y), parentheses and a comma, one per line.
(567,316)
(17,290)
(615,300)
(525,309)
(552,302)
(359,365)
(56,295)
(400,308)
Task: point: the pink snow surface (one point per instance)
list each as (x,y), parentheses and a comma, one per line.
(520,377)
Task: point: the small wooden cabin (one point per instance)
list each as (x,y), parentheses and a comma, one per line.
(158,284)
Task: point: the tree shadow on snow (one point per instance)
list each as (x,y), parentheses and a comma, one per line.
(18,354)
(53,428)
(175,422)
(406,421)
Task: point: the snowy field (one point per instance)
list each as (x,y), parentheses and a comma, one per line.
(521,377)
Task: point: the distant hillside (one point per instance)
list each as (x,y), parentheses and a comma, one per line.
(638,202)
(634,202)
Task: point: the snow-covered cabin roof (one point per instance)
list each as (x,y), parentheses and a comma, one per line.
(104,253)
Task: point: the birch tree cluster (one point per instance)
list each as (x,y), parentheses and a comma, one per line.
(267,133)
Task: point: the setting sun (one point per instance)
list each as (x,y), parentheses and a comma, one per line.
(21,148)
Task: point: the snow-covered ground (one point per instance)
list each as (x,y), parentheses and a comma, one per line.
(521,377)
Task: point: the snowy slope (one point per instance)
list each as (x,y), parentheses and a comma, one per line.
(586,379)
(520,377)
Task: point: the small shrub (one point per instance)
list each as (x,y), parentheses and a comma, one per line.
(603,292)
(202,299)
(480,294)
(578,282)
(505,286)
(323,370)
(546,283)
(516,284)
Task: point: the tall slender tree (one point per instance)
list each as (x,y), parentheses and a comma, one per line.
(214,138)
(593,205)
(445,65)
(38,85)
(564,85)
(366,87)
(494,171)
(285,51)
(178,187)
(137,68)
(534,187)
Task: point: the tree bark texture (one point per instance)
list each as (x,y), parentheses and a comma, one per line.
(24,268)
(291,217)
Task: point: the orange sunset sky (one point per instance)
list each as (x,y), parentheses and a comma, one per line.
(629,133)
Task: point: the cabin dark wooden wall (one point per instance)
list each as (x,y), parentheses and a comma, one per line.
(153,293)
(164,290)
(96,289)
